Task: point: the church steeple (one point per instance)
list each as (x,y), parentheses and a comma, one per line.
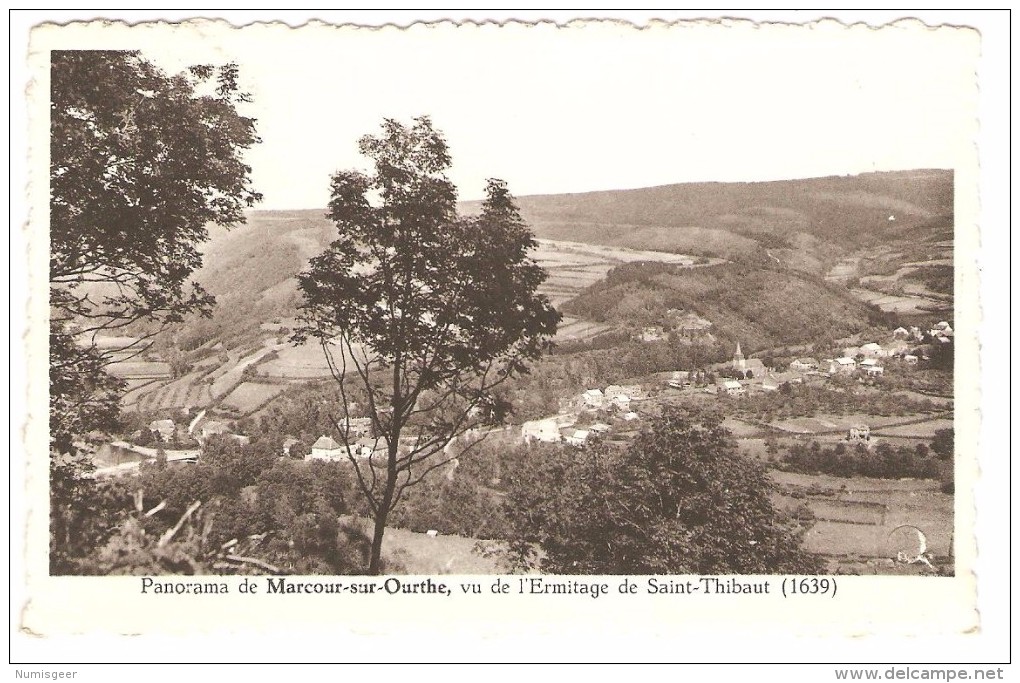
(738,359)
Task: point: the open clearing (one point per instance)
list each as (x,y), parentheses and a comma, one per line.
(421,554)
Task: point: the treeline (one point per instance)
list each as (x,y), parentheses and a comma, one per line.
(883,462)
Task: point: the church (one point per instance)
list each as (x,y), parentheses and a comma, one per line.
(743,365)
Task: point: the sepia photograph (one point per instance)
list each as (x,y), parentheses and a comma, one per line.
(346,308)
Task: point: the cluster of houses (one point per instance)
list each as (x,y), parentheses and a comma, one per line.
(562,428)
(199,430)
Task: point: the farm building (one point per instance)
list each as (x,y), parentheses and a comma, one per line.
(804,365)
(165,429)
(326,448)
(859,433)
(547,430)
(844,365)
(871,366)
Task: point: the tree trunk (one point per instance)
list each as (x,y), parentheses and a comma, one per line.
(380,528)
(375,563)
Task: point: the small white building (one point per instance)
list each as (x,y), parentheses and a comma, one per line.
(576,437)
(599,428)
(631,416)
(326,448)
(910,359)
(900,333)
(733,387)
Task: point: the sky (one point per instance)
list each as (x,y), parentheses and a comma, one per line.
(599,106)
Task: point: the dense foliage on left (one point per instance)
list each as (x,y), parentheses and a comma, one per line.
(141,162)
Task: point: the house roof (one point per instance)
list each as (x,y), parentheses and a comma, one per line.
(731,384)
(846,361)
(869,361)
(807,361)
(870,346)
(162,424)
(326,443)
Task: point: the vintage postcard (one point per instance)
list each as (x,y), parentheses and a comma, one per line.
(502,326)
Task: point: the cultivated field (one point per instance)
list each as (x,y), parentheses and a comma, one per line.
(299,362)
(248,396)
(856,517)
(572,266)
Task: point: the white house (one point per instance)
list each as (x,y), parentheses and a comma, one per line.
(631,416)
(326,448)
(733,387)
(910,359)
(547,430)
(900,333)
(593,398)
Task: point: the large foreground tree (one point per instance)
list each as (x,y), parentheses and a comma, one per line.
(141,162)
(428,312)
(680,499)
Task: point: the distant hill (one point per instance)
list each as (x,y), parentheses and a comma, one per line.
(759,306)
(806,223)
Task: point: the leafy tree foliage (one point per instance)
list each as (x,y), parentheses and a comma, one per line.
(140,163)
(679,499)
(430,311)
